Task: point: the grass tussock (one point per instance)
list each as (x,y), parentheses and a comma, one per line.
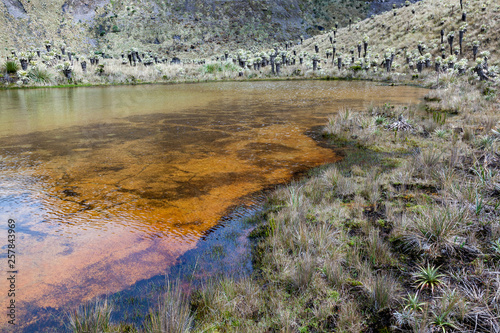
(172,314)
(92,317)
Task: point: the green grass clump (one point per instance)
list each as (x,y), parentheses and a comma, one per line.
(173,313)
(11,67)
(428,277)
(39,74)
(91,317)
(213,68)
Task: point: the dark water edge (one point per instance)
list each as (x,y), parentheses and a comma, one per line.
(224,251)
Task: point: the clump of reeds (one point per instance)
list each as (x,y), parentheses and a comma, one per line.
(91,317)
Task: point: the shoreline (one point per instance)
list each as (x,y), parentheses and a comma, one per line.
(269,79)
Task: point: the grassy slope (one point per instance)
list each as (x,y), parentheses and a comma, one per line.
(404,31)
(405,240)
(401,34)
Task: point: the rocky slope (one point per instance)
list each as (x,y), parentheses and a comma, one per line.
(194,26)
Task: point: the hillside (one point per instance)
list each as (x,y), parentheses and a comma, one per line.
(408,42)
(175,26)
(414,31)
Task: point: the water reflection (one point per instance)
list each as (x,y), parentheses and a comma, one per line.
(110,185)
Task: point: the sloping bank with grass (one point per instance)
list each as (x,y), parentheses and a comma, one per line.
(404,238)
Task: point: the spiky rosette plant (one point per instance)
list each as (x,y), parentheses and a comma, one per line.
(315,60)
(451,37)
(66,69)
(461,33)
(475,48)
(428,277)
(23,59)
(365,44)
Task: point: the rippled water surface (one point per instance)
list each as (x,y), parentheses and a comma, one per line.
(109,186)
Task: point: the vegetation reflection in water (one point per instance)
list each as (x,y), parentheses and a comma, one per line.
(111,185)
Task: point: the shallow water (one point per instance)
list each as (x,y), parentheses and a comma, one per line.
(109,186)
